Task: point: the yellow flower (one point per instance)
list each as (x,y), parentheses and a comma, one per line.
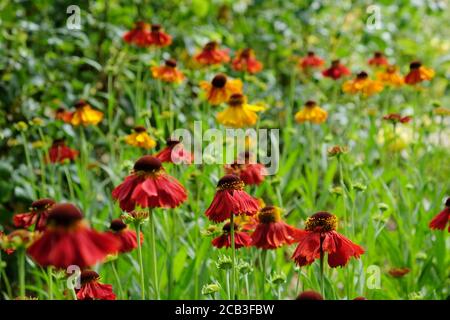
(85,115)
(442,111)
(362,84)
(221,89)
(140,138)
(168,72)
(311,112)
(239,114)
(390,77)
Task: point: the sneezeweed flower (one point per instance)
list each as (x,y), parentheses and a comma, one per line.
(231,199)
(149,186)
(168,72)
(271,231)
(136,217)
(390,77)
(248,223)
(212,54)
(311,112)
(174,152)
(60,153)
(210,289)
(158,38)
(224,263)
(85,115)
(309,295)
(418,73)
(337,151)
(239,113)
(311,61)
(245,60)
(398,272)
(16,240)
(67,240)
(63,114)
(241,239)
(395,118)
(320,237)
(251,172)
(37,216)
(126,237)
(139,35)
(221,88)
(92,289)
(336,70)
(440,221)
(362,84)
(140,138)
(378,60)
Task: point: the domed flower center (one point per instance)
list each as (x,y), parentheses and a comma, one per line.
(335,63)
(246,53)
(310,54)
(236,100)
(391,69)
(447,203)
(219,81)
(321,222)
(88,276)
(211,45)
(42,204)
(310,295)
(269,214)
(156,27)
(141,25)
(148,164)
(139,129)
(230,182)
(58,143)
(172,142)
(171,63)
(362,75)
(64,215)
(310,104)
(378,54)
(80,104)
(117,225)
(227,227)
(415,65)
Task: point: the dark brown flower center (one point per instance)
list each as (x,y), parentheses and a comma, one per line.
(148,164)
(64,215)
(321,222)
(310,104)
(117,225)
(447,203)
(227,227)
(230,182)
(219,81)
(378,54)
(246,53)
(141,25)
(362,75)
(58,143)
(415,65)
(172,142)
(156,27)
(310,53)
(236,100)
(335,63)
(139,129)
(80,104)
(88,276)
(212,45)
(171,63)
(42,204)
(309,295)
(269,214)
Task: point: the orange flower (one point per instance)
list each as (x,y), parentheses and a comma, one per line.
(85,115)
(158,37)
(245,60)
(168,72)
(390,77)
(63,114)
(363,84)
(378,59)
(418,73)
(311,112)
(211,54)
(221,89)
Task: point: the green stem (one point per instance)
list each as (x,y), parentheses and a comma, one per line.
(50,283)
(29,164)
(233,259)
(247,286)
(263,270)
(21,269)
(116,275)
(141,265)
(153,249)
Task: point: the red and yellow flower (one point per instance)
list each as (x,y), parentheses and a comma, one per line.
(390,77)
(168,72)
(378,60)
(362,84)
(239,113)
(418,73)
(85,115)
(212,54)
(221,88)
(245,60)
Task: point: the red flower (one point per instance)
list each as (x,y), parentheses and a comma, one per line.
(175,153)
(241,239)
(378,59)
(250,172)
(149,186)
(320,237)
(211,54)
(271,232)
(311,61)
(229,199)
(37,215)
(396,118)
(418,73)
(336,70)
(441,220)
(139,35)
(59,152)
(309,295)
(63,114)
(246,61)
(68,241)
(92,289)
(126,237)
(398,272)
(158,37)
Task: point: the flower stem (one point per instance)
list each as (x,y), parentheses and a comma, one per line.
(141,265)
(153,249)
(247,287)
(116,275)
(29,164)
(263,270)
(50,283)
(233,259)
(21,268)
